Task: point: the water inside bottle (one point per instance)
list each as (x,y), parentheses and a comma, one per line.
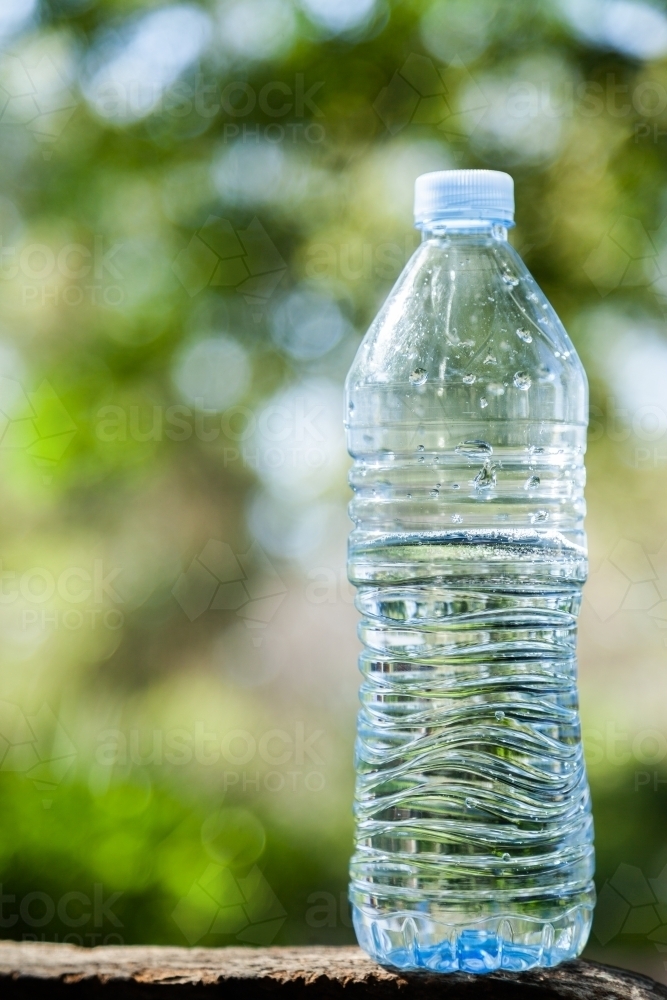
(473,828)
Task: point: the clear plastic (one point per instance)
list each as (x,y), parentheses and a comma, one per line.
(466,413)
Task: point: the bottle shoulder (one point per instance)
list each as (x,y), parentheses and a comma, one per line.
(471,313)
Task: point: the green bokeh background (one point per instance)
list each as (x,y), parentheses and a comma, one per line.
(191,251)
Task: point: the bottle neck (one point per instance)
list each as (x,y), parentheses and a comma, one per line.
(465,229)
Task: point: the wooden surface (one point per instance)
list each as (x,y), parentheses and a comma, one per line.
(52,970)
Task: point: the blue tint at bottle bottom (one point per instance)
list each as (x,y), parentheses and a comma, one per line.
(416,942)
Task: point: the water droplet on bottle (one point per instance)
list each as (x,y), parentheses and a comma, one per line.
(524,335)
(499,715)
(489,360)
(544,374)
(485,478)
(474,448)
(455,486)
(536,449)
(420,447)
(434,494)
(440,391)
(418,376)
(507,857)
(470,804)
(457,519)
(483,403)
(522,380)
(409,496)
(510,280)
(539,515)
(469,379)
(532,483)
(350,407)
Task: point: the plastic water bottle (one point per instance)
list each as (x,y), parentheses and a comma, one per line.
(466,418)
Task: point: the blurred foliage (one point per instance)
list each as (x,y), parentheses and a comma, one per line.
(201,208)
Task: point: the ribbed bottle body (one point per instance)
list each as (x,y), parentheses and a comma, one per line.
(473,828)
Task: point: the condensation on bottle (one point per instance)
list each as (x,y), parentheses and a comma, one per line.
(466,414)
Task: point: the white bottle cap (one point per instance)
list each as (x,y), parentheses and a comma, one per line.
(464,194)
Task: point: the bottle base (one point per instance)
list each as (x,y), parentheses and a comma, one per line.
(417,942)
